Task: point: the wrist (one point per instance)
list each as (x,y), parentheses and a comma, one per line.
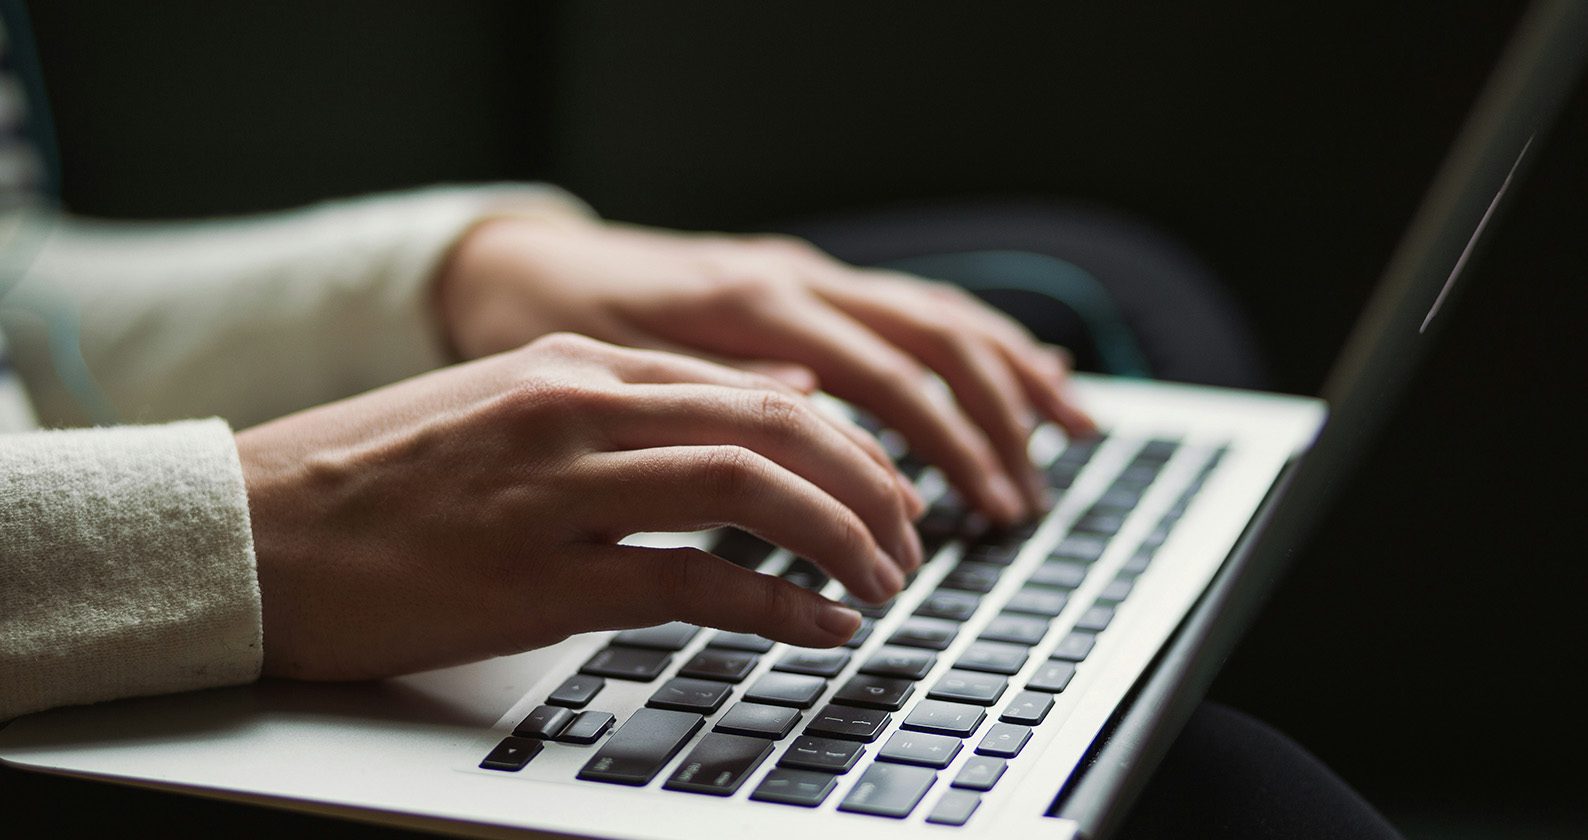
(485,290)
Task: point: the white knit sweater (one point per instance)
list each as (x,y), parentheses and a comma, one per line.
(126,554)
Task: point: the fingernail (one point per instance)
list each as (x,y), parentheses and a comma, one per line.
(890,579)
(1005,496)
(838,620)
(917,551)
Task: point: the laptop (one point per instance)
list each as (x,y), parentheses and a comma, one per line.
(1026,681)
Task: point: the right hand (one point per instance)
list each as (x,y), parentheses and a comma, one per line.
(476,511)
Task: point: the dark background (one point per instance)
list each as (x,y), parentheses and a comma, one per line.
(1427,642)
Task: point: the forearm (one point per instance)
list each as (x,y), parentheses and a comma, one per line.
(250,318)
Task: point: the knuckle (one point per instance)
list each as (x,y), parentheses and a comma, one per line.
(742,292)
(778,413)
(779,603)
(730,470)
(565,344)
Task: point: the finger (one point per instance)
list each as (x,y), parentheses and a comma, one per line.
(796,376)
(788,430)
(858,365)
(691,488)
(641,587)
(1046,378)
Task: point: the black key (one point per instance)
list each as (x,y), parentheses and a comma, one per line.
(719,764)
(875,692)
(1096,618)
(889,790)
(954,808)
(1065,574)
(797,690)
(908,663)
(1052,677)
(624,663)
(969,687)
(1004,740)
(920,748)
(973,577)
(758,720)
(1158,450)
(951,604)
(577,691)
(1118,500)
(850,723)
(544,722)
(929,633)
(670,636)
(1137,564)
(1080,547)
(992,657)
(1016,629)
(1138,475)
(805,574)
(740,641)
(641,747)
(862,634)
(512,754)
(813,661)
(944,718)
(1100,523)
(1038,600)
(1117,590)
(741,548)
(719,664)
(980,772)
(996,553)
(829,755)
(1074,647)
(587,728)
(683,694)
(1028,707)
(866,609)
(795,787)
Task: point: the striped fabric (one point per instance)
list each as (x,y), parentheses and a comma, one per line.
(21,176)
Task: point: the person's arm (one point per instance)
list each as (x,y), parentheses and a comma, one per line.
(250,318)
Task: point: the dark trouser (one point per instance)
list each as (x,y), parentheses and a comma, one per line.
(1126,300)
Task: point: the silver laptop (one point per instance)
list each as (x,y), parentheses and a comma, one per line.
(1026,681)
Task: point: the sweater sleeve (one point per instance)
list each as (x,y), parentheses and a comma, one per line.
(252,318)
(126,565)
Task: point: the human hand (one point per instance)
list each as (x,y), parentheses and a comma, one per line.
(782,307)
(476,511)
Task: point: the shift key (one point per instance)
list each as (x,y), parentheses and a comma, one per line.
(641,746)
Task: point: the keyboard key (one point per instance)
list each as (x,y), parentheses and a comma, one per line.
(1038,600)
(955,808)
(1052,677)
(969,687)
(671,636)
(718,664)
(1028,707)
(993,658)
(683,694)
(929,633)
(889,790)
(1117,590)
(1137,564)
(980,772)
(813,661)
(587,728)
(1064,574)
(806,788)
(865,609)
(758,720)
(1081,548)
(971,576)
(1158,449)
(805,574)
(740,641)
(951,604)
(797,690)
(997,553)
(625,663)
(944,718)
(742,548)
(1096,618)
(1004,740)
(512,754)
(641,747)
(920,748)
(544,722)
(1074,647)
(907,663)
(873,692)
(850,723)
(829,755)
(862,634)
(719,764)
(1016,629)
(577,691)
(1101,523)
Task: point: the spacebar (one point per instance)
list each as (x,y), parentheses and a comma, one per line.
(638,750)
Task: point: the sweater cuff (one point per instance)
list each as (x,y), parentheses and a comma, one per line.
(126,565)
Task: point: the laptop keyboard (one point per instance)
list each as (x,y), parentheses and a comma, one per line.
(868,708)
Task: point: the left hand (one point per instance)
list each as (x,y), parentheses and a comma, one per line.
(780,306)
